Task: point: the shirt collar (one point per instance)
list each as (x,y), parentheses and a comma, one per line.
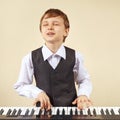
(47,53)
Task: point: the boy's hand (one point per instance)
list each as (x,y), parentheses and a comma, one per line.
(82,102)
(44,101)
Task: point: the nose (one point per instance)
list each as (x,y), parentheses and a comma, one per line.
(50,26)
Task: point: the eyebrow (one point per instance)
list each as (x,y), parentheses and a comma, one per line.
(45,21)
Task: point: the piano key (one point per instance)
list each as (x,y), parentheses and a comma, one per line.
(94,112)
(14,112)
(1,111)
(102,112)
(73,110)
(68,110)
(23,111)
(119,111)
(107,112)
(45,112)
(112,112)
(27,112)
(40,111)
(32,112)
(116,110)
(81,112)
(92,109)
(98,110)
(37,109)
(19,112)
(76,111)
(53,111)
(63,111)
(58,112)
(8,112)
(85,111)
(89,112)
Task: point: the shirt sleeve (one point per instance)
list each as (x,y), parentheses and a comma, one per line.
(24,85)
(82,77)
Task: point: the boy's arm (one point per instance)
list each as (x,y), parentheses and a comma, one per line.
(24,84)
(84,84)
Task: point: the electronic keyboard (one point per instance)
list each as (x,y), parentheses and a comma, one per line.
(60,113)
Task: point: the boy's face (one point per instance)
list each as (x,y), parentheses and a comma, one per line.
(53,29)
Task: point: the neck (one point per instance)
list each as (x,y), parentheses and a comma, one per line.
(53,47)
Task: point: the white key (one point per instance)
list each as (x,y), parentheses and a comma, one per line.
(73,110)
(56,109)
(116,110)
(6,110)
(37,109)
(53,110)
(86,111)
(69,109)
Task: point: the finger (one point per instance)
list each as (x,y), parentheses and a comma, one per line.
(80,105)
(42,106)
(84,104)
(49,106)
(46,102)
(88,103)
(74,102)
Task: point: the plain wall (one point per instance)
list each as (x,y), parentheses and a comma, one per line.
(94,32)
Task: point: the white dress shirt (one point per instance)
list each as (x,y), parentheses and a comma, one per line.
(24,84)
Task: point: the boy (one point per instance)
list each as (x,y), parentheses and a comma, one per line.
(55,67)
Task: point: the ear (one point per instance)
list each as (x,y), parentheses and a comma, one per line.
(66,32)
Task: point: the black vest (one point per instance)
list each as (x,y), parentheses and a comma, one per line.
(58,83)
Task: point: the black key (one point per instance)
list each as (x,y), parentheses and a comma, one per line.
(63,111)
(19,112)
(14,112)
(89,112)
(112,112)
(32,112)
(9,112)
(81,112)
(71,112)
(102,112)
(107,112)
(1,111)
(94,112)
(76,111)
(119,111)
(40,111)
(27,112)
(58,112)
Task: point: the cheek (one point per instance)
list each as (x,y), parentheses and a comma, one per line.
(65,33)
(43,31)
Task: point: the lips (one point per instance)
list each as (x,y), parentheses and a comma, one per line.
(50,33)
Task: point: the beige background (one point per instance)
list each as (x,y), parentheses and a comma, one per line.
(95,32)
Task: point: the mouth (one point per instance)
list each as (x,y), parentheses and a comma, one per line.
(50,33)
